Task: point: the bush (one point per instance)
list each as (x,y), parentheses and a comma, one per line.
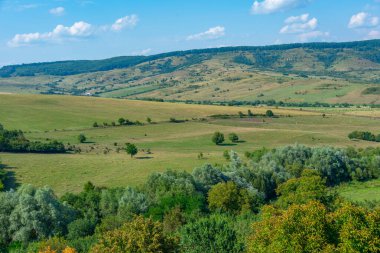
(218,138)
(269,113)
(233,137)
(227,197)
(82,138)
(138,235)
(131,149)
(214,234)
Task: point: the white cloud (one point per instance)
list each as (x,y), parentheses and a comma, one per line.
(124,22)
(363,19)
(374,34)
(77,30)
(59,11)
(272,6)
(212,33)
(299,24)
(305,37)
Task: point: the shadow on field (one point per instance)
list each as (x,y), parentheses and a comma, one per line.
(10,178)
(227,144)
(144,157)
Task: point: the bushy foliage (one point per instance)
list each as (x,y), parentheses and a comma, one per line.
(214,234)
(131,149)
(233,137)
(312,228)
(218,138)
(132,202)
(168,184)
(207,176)
(32,214)
(228,197)
(139,235)
(366,136)
(15,141)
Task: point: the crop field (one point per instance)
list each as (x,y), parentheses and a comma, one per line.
(163,144)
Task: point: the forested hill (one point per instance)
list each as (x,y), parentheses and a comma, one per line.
(294,73)
(275,56)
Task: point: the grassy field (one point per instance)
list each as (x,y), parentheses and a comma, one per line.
(171,145)
(359,192)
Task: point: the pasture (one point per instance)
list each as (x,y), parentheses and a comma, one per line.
(163,145)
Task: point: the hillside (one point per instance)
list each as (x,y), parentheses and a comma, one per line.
(294,73)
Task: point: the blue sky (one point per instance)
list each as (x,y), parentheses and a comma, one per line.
(49,30)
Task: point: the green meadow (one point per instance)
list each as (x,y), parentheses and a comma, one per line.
(162,144)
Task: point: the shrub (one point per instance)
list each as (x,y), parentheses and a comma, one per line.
(218,138)
(131,149)
(233,137)
(269,113)
(214,234)
(138,235)
(82,138)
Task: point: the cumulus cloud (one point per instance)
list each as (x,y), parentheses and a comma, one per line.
(304,27)
(78,30)
(299,24)
(272,6)
(59,11)
(363,19)
(212,33)
(124,22)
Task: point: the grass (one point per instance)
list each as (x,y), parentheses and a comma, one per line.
(173,145)
(359,192)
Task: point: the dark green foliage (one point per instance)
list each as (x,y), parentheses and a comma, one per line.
(233,137)
(214,234)
(371,91)
(207,176)
(131,149)
(218,138)
(81,228)
(15,141)
(82,138)
(187,205)
(366,136)
(269,113)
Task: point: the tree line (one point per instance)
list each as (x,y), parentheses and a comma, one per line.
(282,200)
(15,141)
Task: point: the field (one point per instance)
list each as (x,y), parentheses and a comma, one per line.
(163,144)
(361,191)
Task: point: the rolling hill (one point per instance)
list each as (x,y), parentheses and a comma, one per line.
(294,73)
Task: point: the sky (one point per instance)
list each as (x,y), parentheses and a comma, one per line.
(53,30)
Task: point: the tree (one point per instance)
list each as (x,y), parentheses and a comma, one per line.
(228,197)
(218,138)
(214,234)
(95,124)
(131,149)
(233,137)
(82,138)
(250,114)
(241,115)
(137,236)
(121,121)
(149,120)
(269,113)
(32,214)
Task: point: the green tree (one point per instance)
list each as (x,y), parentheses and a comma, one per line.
(250,114)
(95,124)
(140,235)
(214,234)
(149,120)
(82,138)
(121,121)
(218,138)
(233,137)
(241,115)
(131,149)
(228,197)
(269,113)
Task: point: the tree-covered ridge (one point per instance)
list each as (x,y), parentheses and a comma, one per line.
(273,57)
(284,194)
